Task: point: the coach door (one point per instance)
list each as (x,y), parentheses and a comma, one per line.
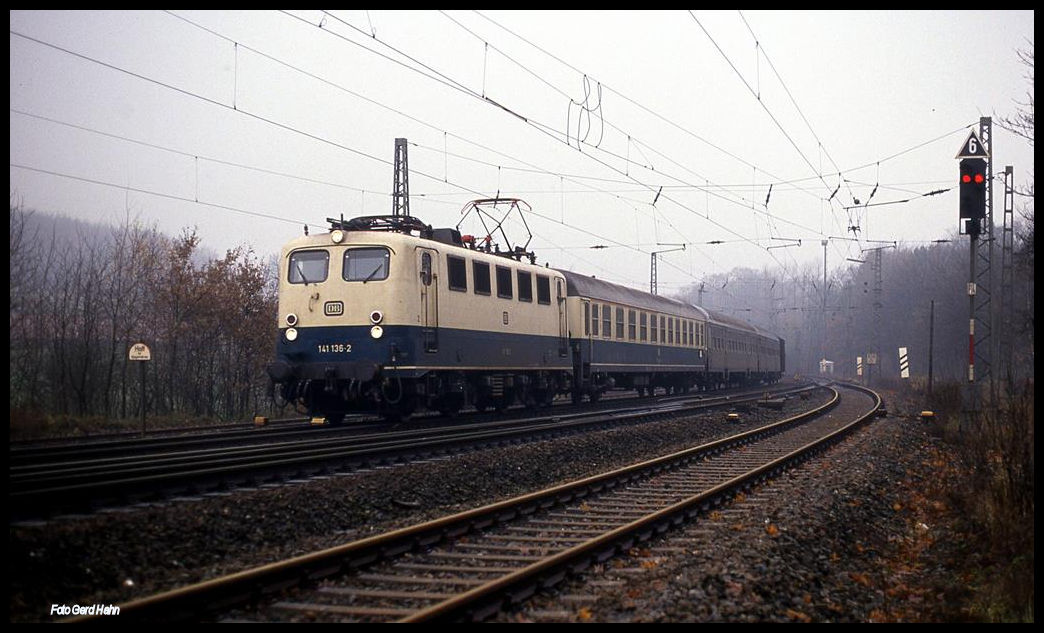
(428,267)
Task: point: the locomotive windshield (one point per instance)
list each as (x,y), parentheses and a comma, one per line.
(366,264)
(308,267)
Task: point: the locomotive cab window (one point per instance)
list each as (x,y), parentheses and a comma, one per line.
(480,271)
(366,264)
(525,287)
(504,282)
(458,273)
(308,267)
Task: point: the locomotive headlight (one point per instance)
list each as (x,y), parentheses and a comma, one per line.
(291,319)
(376,331)
(376,317)
(337,236)
(291,334)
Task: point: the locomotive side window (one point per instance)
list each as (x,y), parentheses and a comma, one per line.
(308,267)
(525,287)
(544,293)
(619,324)
(504,282)
(366,264)
(607,326)
(458,273)
(594,319)
(480,271)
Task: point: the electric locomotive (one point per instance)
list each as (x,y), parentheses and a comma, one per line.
(387,314)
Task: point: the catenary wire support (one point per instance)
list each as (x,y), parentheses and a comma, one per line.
(401,186)
(1007,303)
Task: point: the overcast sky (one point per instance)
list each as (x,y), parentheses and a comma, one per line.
(633,131)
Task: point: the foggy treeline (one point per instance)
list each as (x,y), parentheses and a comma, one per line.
(81,295)
(910,279)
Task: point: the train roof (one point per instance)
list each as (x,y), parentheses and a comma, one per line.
(733,322)
(586,286)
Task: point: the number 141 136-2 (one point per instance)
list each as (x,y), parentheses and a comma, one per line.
(336,348)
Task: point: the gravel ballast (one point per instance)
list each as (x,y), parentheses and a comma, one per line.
(121,555)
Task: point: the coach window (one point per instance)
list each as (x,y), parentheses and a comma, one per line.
(594,319)
(525,287)
(642,330)
(504,282)
(619,324)
(652,328)
(366,264)
(458,273)
(632,332)
(544,292)
(480,272)
(607,324)
(587,319)
(663,330)
(309,267)
(670,331)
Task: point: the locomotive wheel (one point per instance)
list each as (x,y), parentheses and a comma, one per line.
(398,412)
(449,406)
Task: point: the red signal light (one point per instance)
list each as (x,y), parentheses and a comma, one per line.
(965,178)
(978,179)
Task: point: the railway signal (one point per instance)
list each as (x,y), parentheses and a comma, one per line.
(973,193)
(972,183)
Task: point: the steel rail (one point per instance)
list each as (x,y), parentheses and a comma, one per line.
(246,585)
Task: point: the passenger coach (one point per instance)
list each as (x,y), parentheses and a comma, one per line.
(626,338)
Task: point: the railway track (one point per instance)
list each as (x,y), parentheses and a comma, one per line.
(91,481)
(470,565)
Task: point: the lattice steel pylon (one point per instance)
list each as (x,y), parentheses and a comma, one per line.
(877,310)
(983,311)
(1007,305)
(401,187)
